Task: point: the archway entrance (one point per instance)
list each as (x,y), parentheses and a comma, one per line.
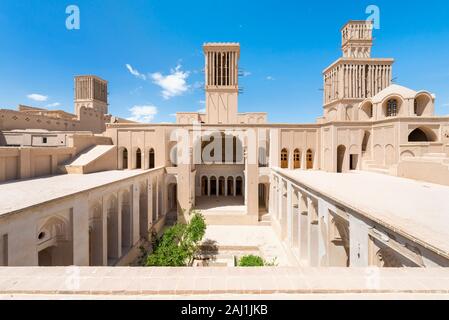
(54,242)
(239,186)
(421,135)
(213,186)
(204,186)
(143,210)
(45,257)
(126,222)
(96,235)
(230,186)
(151,159)
(341,150)
(263,196)
(123,159)
(112,231)
(138,159)
(173,197)
(221,186)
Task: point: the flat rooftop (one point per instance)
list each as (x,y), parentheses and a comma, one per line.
(418,209)
(228,283)
(22,194)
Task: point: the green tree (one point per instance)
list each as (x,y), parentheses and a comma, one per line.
(179,244)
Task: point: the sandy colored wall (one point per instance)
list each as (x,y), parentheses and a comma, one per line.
(84,141)
(25,163)
(88,120)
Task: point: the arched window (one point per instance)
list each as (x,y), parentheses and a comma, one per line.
(423,105)
(263,161)
(284,159)
(392,108)
(296,159)
(309,158)
(422,135)
(151,159)
(138,159)
(125,159)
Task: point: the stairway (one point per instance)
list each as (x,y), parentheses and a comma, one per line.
(95,159)
(372,166)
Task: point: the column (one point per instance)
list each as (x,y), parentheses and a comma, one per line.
(217,183)
(271,203)
(104,231)
(313,233)
(157,199)
(279,199)
(303,229)
(119,224)
(234,181)
(289,214)
(150,203)
(226,187)
(208,186)
(135,207)
(80,231)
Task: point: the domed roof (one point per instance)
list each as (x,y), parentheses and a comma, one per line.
(394,89)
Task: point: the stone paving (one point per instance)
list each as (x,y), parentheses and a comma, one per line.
(224,282)
(262,237)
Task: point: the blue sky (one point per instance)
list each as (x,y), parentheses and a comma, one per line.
(285,45)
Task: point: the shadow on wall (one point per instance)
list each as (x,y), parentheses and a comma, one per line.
(2,140)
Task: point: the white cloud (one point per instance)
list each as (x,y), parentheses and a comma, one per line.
(246,73)
(446,105)
(172,115)
(37,97)
(135,72)
(202,102)
(53,105)
(202,110)
(143,113)
(172,85)
(198,85)
(270,78)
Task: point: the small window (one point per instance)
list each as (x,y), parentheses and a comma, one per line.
(284,159)
(44,140)
(392,108)
(297,159)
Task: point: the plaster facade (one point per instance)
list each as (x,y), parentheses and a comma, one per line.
(226,159)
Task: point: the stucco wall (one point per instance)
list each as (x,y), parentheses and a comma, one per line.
(25,163)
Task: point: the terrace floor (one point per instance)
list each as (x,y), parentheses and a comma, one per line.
(229,283)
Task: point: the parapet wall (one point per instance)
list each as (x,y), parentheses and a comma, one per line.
(88,120)
(26,163)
